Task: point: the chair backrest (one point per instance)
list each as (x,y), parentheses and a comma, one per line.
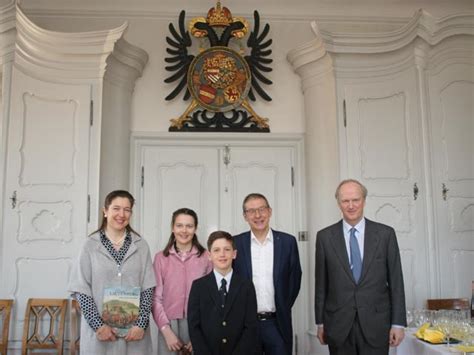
(75,323)
(448,303)
(44,324)
(5,312)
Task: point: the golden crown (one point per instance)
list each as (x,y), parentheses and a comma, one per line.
(219,16)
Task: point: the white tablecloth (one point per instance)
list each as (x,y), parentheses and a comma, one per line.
(413,346)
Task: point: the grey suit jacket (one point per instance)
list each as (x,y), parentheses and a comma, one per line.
(378,299)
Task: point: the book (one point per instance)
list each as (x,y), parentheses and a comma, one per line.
(120,308)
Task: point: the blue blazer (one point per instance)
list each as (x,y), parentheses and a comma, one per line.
(286,276)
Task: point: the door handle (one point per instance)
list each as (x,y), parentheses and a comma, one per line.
(444,191)
(13,199)
(415,191)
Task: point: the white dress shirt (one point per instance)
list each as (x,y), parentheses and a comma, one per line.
(262,272)
(219,278)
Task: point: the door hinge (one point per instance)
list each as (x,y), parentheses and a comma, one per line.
(292,177)
(91,113)
(142,179)
(88,208)
(226,155)
(344,112)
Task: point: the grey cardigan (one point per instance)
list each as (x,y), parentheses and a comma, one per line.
(94,270)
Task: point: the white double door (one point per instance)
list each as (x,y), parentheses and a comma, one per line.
(212,178)
(213,181)
(419,172)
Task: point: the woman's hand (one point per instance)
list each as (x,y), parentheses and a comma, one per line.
(172,341)
(135,333)
(105,333)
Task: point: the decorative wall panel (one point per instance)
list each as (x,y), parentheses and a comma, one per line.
(49,137)
(182,181)
(457,104)
(45,221)
(461,214)
(383,119)
(394,211)
(463,270)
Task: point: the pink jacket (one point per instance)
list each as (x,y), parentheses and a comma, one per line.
(174,278)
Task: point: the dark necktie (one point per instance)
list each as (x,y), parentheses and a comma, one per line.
(356,260)
(223,292)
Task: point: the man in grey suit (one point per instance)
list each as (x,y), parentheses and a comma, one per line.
(360,298)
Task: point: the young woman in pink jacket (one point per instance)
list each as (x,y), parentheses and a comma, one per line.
(176,267)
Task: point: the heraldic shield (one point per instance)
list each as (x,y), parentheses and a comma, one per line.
(221,79)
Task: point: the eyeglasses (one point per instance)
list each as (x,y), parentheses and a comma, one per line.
(253,211)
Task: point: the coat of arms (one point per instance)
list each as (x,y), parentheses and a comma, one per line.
(223,78)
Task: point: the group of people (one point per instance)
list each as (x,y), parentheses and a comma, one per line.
(236,297)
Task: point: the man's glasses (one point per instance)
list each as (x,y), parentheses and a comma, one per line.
(253,211)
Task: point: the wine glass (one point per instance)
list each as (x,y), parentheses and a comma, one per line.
(446,322)
(410,317)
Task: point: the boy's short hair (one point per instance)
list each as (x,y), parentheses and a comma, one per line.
(219,235)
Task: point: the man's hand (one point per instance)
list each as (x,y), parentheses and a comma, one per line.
(135,333)
(396,336)
(105,333)
(321,335)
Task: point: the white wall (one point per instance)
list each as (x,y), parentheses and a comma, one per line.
(290,28)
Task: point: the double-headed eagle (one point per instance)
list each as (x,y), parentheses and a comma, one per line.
(219,79)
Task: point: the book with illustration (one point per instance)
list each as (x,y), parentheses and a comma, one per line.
(120,308)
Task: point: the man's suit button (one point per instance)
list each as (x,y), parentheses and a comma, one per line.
(224,323)
(224,340)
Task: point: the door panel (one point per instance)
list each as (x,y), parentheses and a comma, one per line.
(47,189)
(383,151)
(176,177)
(452,101)
(263,170)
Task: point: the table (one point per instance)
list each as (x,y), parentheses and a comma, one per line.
(413,346)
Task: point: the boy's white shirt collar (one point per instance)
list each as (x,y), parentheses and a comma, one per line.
(219,277)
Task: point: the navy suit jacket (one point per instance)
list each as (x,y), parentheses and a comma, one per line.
(222,331)
(378,298)
(286,276)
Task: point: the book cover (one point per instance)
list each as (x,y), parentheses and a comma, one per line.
(120,308)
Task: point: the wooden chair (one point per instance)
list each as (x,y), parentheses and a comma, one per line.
(75,323)
(448,303)
(44,325)
(5,312)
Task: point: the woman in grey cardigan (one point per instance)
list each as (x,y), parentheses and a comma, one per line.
(114,260)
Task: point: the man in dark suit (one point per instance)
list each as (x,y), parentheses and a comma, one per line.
(360,298)
(270,259)
(222,307)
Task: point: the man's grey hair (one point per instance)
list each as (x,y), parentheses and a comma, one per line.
(346,181)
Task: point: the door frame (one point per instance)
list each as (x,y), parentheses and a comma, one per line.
(141,140)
